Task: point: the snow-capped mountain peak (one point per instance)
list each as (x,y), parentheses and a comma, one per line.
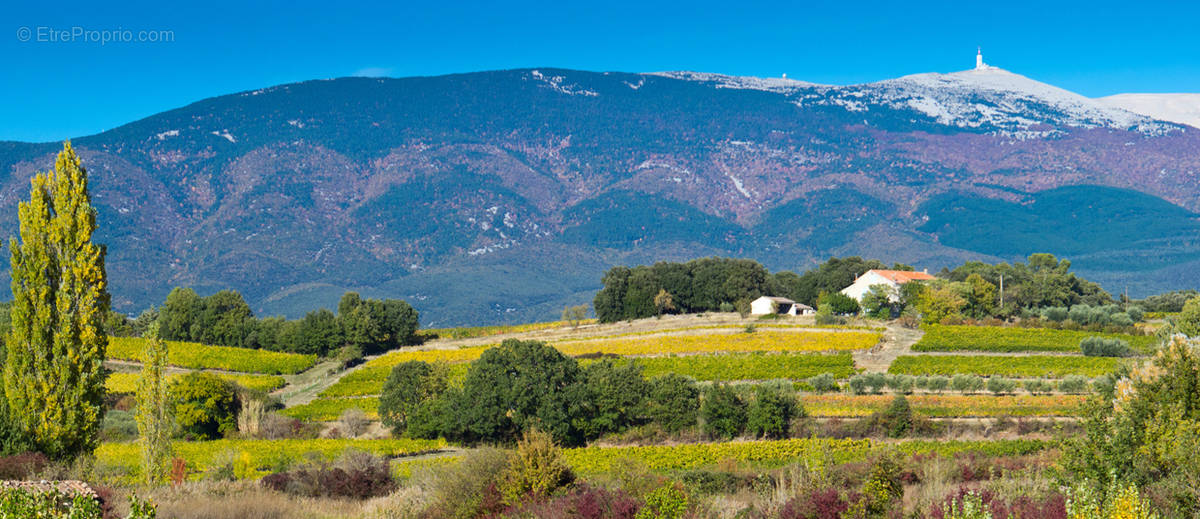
(991,97)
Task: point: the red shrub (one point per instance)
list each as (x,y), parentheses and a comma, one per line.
(819,504)
(1051,507)
(22,466)
(584,502)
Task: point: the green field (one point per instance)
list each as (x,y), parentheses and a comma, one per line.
(1000,339)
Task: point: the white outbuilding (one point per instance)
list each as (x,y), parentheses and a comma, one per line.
(779,305)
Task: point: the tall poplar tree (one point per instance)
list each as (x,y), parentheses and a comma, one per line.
(54,376)
(153,411)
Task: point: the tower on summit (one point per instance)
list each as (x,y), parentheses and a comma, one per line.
(979,59)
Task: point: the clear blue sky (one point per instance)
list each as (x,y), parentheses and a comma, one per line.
(53,90)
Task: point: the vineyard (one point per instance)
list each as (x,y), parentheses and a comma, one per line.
(759,341)
(766,454)
(1045,366)
(1008,339)
(946,406)
(750,366)
(128,382)
(329,409)
(193,355)
(254,458)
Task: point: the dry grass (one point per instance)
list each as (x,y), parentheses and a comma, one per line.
(246,500)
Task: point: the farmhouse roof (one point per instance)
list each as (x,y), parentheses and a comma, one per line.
(901,277)
(781,300)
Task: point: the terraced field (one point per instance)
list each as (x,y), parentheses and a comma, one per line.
(996,339)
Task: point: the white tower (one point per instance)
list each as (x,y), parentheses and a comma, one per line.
(979,60)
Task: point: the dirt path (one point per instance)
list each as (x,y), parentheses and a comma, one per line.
(897,341)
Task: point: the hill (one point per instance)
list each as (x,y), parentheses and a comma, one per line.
(501,196)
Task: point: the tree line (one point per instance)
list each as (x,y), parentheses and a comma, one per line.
(225,319)
(521,385)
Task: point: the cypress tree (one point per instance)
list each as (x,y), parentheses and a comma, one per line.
(54,374)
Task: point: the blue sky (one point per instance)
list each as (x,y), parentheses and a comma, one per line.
(58,89)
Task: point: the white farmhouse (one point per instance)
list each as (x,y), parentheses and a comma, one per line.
(891,278)
(779,305)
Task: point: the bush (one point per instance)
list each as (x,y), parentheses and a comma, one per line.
(21,503)
(22,466)
(356,475)
(897,419)
(1136,314)
(902,384)
(1073,384)
(966,383)
(824,383)
(771,413)
(1057,314)
(876,381)
(353,422)
(667,502)
(938,384)
(674,402)
(610,398)
(582,502)
(468,488)
(1038,385)
(118,426)
(1105,347)
(536,469)
(817,504)
(858,384)
(1001,385)
(724,412)
(205,405)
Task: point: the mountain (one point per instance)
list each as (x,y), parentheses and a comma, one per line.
(502,196)
(1177,108)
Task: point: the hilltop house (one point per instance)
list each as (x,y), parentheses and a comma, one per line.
(779,305)
(891,278)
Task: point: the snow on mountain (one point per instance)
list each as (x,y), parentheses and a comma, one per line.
(994,98)
(781,85)
(987,98)
(1176,108)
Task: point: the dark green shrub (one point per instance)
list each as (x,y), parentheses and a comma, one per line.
(205,405)
(771,413)
(897,419)
(724,412)
(674,402)
(611,398)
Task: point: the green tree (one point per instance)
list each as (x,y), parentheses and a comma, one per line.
(204,405)
(940,302)
(674,401)
(513,387)
(54,373)
(225,320)
(980,297)
(575,314)
(1188,322)
(724,412)
(410,385)
(319,333)
(609,302)
(878,301)
(770,414)
(839,303)
(611,397)
(154,422)
(180,314)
